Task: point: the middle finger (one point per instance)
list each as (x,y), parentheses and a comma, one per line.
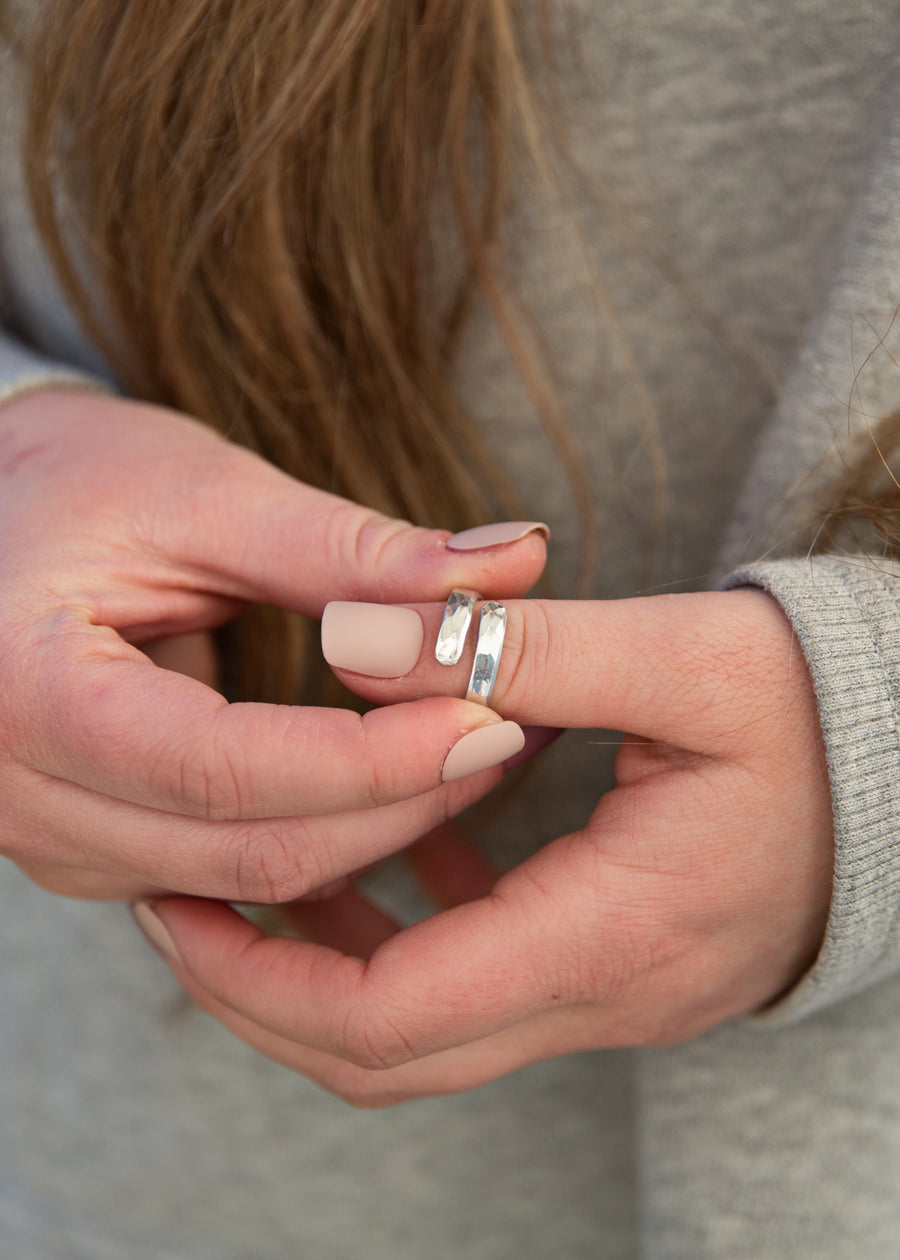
(266,860)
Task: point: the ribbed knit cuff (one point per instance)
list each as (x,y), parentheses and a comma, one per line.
(846,615)
(23,371)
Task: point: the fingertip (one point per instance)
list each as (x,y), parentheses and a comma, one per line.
(155,931)
(481,749)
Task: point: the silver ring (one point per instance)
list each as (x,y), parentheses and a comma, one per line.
(455,626)
(491,633)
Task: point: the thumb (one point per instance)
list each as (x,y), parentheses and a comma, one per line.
(679,669)
(274,539)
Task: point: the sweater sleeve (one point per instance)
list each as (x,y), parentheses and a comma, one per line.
(845,609)
(23,369)
(846,615)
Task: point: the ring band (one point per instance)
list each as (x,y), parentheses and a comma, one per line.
(455,626)
(491,633)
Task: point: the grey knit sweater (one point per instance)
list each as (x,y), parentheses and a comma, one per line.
(737,200)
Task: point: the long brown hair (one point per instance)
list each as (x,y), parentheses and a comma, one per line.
(240,200)
(251,190)
(860,512)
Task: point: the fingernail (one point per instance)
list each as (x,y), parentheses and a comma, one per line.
(498,535)
(380,640)
(479,749)
(155,930)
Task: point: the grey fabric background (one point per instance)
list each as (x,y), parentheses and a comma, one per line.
(734,248)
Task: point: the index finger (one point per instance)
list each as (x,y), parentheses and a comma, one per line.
(102,716)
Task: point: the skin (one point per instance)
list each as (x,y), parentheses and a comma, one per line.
(697,891)
(128,527)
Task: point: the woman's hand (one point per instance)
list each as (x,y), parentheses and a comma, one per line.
(698,889)
(125,525)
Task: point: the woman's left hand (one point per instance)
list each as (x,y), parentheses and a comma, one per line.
(697,891)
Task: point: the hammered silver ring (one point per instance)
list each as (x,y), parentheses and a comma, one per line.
(455,624)
(452,634)
(491,633)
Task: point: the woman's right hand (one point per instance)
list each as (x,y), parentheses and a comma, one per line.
(125,524)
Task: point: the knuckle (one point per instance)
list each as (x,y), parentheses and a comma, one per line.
(271,864)
(208,780)
(358,540)
(373,1039)
(366,1051)
(193,787)
(382,774)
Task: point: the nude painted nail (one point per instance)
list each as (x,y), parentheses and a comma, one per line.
(155,930)
(483,536)
(479,749)
(380,640)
